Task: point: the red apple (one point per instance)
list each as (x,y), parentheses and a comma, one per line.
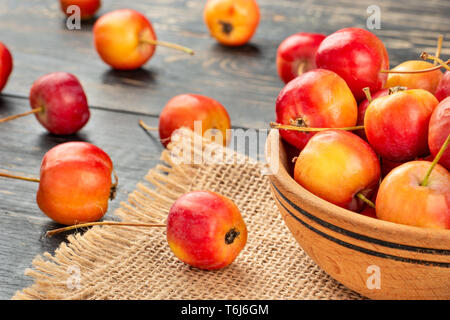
(443,88)
(318,98)
(424,80)
(439,129)
(402,199)
(358,56)
(336,165)
(297,54)
(88,8)
(184,109)
(62,102)
(75,183)
(362,107)
(6,65)
(205,230)
(397,125)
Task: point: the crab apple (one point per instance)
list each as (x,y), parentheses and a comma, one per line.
(422,80)
(397,125)
(443,88)
(231,22)
(205,230)
(362,107)
(6,65)
(337,165)
(60,103)
(125,39)
(356,55)
(297,54)
(75,183)
(403,199)
(318,98)
(88,8)
(439,129)
(185,109)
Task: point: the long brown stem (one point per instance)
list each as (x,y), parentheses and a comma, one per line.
(367,93)
(364,199)
(146,126)
(168,44)
(445,65)
(276,125)
(425,181)
(438,47)
(12,176)
(427,56)
(32,111)
(102,223)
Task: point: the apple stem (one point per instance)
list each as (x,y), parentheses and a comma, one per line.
(425,181)
(276,125)
(367,93)
(444,64)
(396,89)
(32,111)
(102,223)
(113,190)
(438,47)
(11,176)
(146,126)
(168,44)
(427,56)
(300,68)
(364,199)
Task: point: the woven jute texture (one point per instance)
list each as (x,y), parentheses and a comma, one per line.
(111,262)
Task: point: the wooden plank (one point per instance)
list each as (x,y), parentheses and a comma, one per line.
(36,33)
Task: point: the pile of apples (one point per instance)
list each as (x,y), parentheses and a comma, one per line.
(369,139)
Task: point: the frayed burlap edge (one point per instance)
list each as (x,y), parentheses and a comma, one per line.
(135,263)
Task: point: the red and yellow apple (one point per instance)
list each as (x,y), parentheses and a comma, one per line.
(75,183)
(439,129)
(396,125)
(185,109)
(6,65)
(231,22)
(402,199)
(336,165)
(443,88)
(205,230)
(297,54)
(318,98)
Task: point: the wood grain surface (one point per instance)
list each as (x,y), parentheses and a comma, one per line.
(243,79)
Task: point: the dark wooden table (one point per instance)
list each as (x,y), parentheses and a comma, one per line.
(243,79)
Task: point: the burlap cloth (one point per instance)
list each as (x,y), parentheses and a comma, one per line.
(136,263)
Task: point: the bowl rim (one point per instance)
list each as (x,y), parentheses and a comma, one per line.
(404,234)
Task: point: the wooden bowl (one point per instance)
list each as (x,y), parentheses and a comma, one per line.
(378,259)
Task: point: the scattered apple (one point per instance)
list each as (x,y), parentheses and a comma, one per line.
(337,165)
(443,88)
(205,230)
(396,125)
(318,98)
(422,80)
(184,109)
(403,199)
(297,54)
(439,129)
(231,22)
(88,8)
(125,39)
(6,65)
(356,55)
(59,103)
(75,183)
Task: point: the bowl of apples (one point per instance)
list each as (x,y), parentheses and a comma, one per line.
(367,196)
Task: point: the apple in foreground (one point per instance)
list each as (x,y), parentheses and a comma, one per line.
(6,65)
(358,56)
(402,199)
(205,230)
(337,165)
(75,183)
(185,109)
(317,99)
(62,103)
(439,129)
(297,54)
